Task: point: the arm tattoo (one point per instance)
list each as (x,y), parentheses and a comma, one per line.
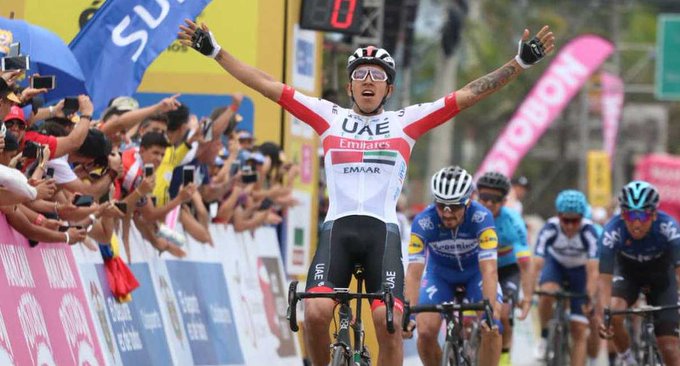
(493,81)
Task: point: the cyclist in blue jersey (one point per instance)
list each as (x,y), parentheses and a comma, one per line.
(640,252)
(514,255)
(566,257)
(453,241)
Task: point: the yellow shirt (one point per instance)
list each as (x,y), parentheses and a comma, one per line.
(172,158)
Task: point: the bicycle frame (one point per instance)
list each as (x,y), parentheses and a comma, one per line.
(454,325)
(557,349)
(354,353)
(649,353)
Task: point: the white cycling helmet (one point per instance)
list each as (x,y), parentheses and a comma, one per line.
(372,55)
(452,186)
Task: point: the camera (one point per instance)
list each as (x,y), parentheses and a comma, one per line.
(248,176)
(71,105)
(83,200)
(15,63)
(31,150)
(148,170)
(43,82)
(187,174)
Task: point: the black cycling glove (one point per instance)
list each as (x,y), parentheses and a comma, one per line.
(529,53)
(205,43)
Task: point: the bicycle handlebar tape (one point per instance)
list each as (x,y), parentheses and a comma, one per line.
(388,299)
(488,312)
(292,306)
(607,318)
(406,316)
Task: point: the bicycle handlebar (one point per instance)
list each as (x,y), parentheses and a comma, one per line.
(447,307)
(291,314)
(340,295)
(561,294)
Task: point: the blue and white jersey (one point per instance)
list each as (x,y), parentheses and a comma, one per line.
(512,237)
(457,250)
(662,239)
(569,252)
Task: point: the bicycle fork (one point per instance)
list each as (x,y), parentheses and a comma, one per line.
(359,354)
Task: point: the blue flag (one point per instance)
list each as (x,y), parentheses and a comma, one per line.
(122,39)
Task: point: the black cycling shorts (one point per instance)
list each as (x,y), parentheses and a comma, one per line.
(660,288)
(508,277)
(363,240)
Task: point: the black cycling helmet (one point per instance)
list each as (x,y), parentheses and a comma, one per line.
(372,55)
(639,195)
(494,180)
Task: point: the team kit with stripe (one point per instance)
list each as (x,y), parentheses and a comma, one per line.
(365,163)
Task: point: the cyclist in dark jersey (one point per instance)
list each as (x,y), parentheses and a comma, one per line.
(640,251)
(366,150)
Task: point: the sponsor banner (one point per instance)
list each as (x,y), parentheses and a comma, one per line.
(122,39)
(567,73)
(304,59)
(612,105)
(274,288)
(663,171)
(207,313)
(298,238)
(181,314)
(43,306)
(599,178)
(132,332)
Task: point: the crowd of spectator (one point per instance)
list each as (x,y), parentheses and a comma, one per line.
(67,177)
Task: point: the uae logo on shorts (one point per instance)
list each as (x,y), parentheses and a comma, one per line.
(373,157)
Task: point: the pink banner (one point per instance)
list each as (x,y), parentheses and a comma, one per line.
(612,104)
(43,306)
(663,171)
(565,76)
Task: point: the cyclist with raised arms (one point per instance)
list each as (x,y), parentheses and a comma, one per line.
(453,242)
(566,256)
(366,150)
(514,255)
(640,249)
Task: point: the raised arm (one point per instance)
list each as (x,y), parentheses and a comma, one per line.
(529,53)
(202,40)
(131,119)
(73,140)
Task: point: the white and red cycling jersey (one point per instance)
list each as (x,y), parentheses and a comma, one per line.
(365,157)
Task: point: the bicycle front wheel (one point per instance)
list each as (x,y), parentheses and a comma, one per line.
(339,357)
(451,355)
(553,354)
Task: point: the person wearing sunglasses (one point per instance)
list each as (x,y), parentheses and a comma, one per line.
(453,243)
(366,152)
(15,121)
(640,252)
(514,255)
(565,255)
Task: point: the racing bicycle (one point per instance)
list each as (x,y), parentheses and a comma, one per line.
(345,352)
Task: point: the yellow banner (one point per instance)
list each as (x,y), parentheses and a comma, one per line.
(599,178)
(251,30)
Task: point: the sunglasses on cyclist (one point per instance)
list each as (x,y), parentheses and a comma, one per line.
(637,215)
(20,125)
(571,220)
(490,197)
(450,207)
(362,74)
